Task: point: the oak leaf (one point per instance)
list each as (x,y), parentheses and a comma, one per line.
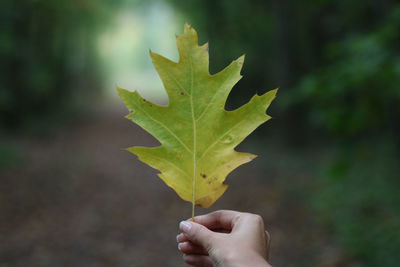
(197,134)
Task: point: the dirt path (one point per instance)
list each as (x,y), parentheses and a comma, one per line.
(79,200)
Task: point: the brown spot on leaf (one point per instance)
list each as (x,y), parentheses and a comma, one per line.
(203,175)
(182,93)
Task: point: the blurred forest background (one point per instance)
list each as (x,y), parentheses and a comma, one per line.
(327,177)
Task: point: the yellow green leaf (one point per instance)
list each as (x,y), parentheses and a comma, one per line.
(197,134)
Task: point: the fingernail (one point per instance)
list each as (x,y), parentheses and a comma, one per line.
(177,238)
(180,246)
(185,226)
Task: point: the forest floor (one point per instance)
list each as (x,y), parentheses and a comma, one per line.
(78,199)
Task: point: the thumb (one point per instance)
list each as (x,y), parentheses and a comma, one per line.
(197,233)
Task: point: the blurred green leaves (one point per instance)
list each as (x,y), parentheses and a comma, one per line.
(355,99)
(10,155)
(358,91)
(358,198)
(48,59)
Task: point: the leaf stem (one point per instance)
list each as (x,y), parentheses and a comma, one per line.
(193,206)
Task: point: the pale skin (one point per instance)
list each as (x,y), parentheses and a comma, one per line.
(224,238)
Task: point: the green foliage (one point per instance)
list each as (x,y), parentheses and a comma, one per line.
(359,199)
(197,134)
(48,59)
(359,90)
(10,155)
(356,99)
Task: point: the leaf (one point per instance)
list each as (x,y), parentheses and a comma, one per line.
(197,134)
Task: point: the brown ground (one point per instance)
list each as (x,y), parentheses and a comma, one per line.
(79,200)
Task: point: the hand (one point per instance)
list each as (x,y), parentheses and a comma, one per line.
(224,238)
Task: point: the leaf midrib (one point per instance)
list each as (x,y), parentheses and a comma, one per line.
(194,137)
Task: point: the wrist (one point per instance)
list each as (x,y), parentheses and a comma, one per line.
(252,259)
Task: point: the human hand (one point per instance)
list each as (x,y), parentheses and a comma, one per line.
(224,238)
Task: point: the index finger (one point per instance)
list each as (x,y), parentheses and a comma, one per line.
(221,219)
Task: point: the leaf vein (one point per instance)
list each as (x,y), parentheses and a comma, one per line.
(163,125)
(219,138)
(210,102)
(172,164)
(176,81)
